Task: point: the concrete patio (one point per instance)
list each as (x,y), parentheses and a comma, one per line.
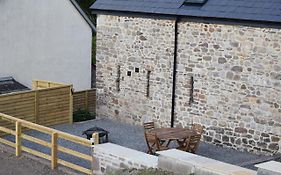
(132,136)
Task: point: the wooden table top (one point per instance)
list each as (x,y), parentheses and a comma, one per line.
(173,133)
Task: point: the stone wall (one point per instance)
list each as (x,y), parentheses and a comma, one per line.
(236,71)
(109,157)
(237,90)
(127,49)
(181,163)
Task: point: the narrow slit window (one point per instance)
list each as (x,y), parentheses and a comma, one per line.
(118,78)
(148,84)
(137,70)
(191,100)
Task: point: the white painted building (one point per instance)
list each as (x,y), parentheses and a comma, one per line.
(45,39)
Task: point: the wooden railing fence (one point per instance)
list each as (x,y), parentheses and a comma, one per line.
(53,144)
(85,100)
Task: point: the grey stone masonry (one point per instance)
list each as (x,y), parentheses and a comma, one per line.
(236,71)
(237,87)
(128,51)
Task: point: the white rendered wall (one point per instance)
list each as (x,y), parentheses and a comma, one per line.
(44,39)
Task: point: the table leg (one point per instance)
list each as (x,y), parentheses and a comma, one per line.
(168,143)
(181,142)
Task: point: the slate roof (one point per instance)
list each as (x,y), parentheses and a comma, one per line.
(253,10)
(8,85)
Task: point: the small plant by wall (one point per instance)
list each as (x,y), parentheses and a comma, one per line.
(82,115)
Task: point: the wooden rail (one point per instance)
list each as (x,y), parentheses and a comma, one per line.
(42,84)
(53,145)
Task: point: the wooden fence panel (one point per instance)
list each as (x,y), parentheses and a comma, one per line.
(47,106)
(20,105)
(53,106)
(85,100)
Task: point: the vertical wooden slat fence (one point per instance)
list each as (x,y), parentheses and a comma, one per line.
(53,144)
(85,100)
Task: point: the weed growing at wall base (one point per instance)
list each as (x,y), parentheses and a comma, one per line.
(82,115)
(149,171)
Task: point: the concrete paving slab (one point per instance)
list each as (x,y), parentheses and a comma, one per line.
(271,168)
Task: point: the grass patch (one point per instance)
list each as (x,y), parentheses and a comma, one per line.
(150,171)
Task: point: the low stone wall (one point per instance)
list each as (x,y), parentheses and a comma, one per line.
(269,168)
(181,162)
(110,157)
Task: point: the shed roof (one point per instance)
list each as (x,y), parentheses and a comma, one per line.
(9,84)
(253,10)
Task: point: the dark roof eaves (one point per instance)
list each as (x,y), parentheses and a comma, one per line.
(260,23)
(83,14)
(129,13)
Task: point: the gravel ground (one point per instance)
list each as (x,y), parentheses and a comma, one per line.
(131,136)
(12,165)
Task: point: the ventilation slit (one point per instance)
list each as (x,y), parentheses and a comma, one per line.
(118,78)
(147,85)
(191,100)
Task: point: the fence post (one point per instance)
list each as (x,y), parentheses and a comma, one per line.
(54,158)
(95,138)
(18,138)
(36,106)
(33,84)
(71,104)
(95,101)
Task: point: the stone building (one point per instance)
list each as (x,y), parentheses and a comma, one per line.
(177,62)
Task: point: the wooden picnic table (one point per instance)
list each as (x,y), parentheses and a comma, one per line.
(170,134)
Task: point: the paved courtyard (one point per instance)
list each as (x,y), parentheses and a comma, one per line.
(132,136)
